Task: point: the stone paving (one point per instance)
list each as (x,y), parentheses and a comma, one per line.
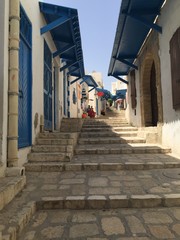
(97,197)
(124,224)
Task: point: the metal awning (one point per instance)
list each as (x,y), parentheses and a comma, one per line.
(63,24)
(121,93)
(136,19)
(89,80)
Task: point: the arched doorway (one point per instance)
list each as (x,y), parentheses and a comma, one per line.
(151,96)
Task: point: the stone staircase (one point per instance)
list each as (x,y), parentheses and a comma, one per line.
(113,136)
(99,164)
(51,150)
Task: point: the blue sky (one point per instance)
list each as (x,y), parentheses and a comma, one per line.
(98,22)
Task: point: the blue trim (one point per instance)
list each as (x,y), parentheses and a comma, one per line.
(91,89)
(75,80)
(136,18)
(89,80)
(25,129)
(47,87)
(127,63)
(121,79)
(67,65)
(54,24)
(65,49)
(63,24)
(146,23)
(73,70)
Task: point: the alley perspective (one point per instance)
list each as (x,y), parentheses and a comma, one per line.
(78,161)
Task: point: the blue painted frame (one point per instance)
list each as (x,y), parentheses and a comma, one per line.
(47,87)
(25,127)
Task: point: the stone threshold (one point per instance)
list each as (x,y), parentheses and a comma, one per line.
(110,202)
(60,167)
(18,222)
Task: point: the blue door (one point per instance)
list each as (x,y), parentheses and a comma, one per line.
(25,82)
(47,88)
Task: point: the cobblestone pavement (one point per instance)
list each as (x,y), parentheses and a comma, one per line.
(124,224)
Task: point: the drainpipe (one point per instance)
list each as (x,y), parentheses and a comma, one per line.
(13,89)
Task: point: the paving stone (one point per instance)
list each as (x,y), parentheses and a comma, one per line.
(81,217)
(176,228)
(83,230)
(52,232)
(157,217)
(98,181)
(40,219)
(135,225)
(112,226)
(161,232)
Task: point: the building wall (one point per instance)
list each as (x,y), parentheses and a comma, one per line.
(134,115)
(37,20)
(170,21)
(156,49)
(75,108)
(4,26)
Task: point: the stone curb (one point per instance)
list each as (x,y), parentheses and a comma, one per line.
(110,202)
(19,222)
(60,167)
(10,190)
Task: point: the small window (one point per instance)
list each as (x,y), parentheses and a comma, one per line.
(74,96)
(133,90)
(175,69)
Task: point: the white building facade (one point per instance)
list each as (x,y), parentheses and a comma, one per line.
(152,70)
(45,62)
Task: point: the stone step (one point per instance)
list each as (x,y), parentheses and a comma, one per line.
(109,202)
(52,148)
(57,135)
(48,141)
(114,129)
(93,122)
(105,126)
(108,134)
(103,166)
(110,140)
(49,157)
(120,149)
(9,188)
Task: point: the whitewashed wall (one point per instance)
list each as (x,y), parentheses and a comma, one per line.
(32,10)
(75,109)
(170,21)
(134,115)
(4,26)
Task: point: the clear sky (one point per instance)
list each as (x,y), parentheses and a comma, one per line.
(98,21)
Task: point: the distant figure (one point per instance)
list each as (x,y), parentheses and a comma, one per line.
(91,113)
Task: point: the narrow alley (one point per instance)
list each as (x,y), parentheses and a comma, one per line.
(116,186)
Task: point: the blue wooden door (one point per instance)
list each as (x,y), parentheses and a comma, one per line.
(47,88)
(25,83)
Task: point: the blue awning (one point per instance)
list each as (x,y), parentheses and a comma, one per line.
(136,19)
(121,93)
(63,24)
(89,80)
